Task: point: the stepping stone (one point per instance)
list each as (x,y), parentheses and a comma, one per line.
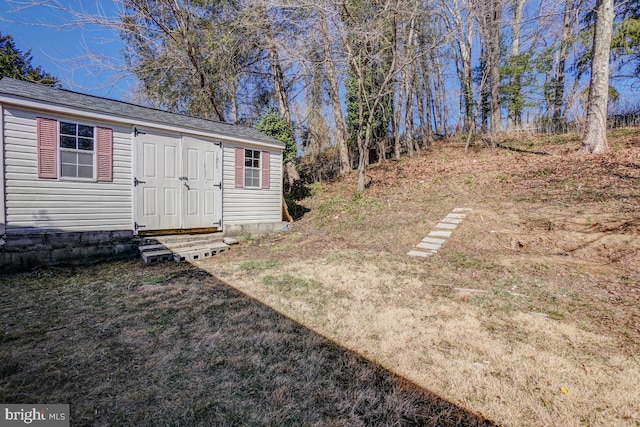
(456,215)
(471,291)
(429,246)
(457,210)
(433,240)
(419,254)
(437,233)
(446,226)
(230,241)
(451,220)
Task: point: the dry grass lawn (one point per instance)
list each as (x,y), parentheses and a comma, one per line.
(529,314)
(553,241)
(129,345)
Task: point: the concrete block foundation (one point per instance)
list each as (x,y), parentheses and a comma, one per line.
(28,250)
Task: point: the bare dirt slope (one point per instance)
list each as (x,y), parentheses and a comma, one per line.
(546,328)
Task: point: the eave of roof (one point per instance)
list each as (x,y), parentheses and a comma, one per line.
(67,98)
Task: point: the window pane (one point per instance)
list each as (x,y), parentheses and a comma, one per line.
(85,144)
(247,163)
(256,154)
(251,178)
(67,128)
(85,171)
(68,170)
(85,131)
(85,159)
(68,158)
(256,163)
(67,141)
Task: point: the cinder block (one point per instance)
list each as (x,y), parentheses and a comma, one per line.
(177,257)
(124,250)
(233,230)
(95,237)
(25,242)
(157,256)
(62,240)
(80,255)
(25,260)
(148,248)
(121,235)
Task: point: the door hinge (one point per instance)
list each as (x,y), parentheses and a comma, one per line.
(137,132)
(218,185)
(218,143)
(219,223)
(136,182)
(138,226)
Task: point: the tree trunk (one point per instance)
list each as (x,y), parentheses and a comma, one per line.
(595,138)
(514,119)
(559,72)
(494,21)
(334,97)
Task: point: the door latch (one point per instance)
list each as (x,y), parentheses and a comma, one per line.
(183,178)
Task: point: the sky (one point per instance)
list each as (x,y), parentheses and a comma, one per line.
(62,46)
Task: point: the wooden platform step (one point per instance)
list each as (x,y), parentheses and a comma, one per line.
(181,251)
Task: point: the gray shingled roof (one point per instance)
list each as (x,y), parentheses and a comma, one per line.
(97,104)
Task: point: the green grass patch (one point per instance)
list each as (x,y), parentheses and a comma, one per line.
(290,284)
(258,265)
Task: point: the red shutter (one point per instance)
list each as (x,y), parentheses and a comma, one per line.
(239,161)
(47,135)
(104,151)
(266,170)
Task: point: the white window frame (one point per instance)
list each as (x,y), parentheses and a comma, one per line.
(255,169)
(62,150)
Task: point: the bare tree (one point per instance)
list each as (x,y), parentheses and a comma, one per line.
(515,102)
(568,21)
(595,137)
(458,18)
(333,90)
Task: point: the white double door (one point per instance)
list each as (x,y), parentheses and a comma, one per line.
(177,182)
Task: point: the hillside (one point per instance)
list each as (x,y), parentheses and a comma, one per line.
(528,314)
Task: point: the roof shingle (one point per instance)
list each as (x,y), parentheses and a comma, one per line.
(67,98)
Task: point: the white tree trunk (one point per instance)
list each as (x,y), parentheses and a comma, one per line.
(595,137)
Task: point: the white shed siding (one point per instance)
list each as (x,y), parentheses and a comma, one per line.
(243,205)
(62,205)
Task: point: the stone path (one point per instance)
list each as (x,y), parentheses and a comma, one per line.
(436,238)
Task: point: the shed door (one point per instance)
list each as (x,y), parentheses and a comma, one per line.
(177,183)
(202,183)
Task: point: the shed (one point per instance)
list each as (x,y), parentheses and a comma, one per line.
(86,168)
